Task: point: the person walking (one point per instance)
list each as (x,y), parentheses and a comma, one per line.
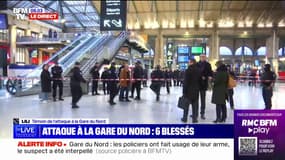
(220,90)
(56,72)
(207,74)
(191,90)
(75,80)
(45,83)
(267,80)
(167,76)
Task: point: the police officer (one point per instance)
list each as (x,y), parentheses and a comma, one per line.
(76,90)
(56,72)
(112,83)
(268,79)
(95,79)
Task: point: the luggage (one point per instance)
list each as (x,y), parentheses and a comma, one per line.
(183,102)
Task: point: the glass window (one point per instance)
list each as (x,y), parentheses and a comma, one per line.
(207,51)
(281,51)
(225,51)
(247,51)
(261,51)
(35,35)
(20,32)
(4,35)
(20,55)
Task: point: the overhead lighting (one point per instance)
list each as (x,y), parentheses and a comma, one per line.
(240,24)
(164,24)
(245,32)
(281,23)
(130,26)
(260,25)
(137,25)
(50,48)
(186,33)
(202,23)
(269,25)
(68,41)
(226,23)
(191,24)
(183,24)
(172,25)
(210,24)
(62,20)
(248,23)
(155,25)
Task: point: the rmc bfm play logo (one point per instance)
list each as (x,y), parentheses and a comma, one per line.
(259,125)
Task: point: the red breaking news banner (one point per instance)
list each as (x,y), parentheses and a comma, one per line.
(43,16)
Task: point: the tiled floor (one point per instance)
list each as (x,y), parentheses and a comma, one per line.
(145,111)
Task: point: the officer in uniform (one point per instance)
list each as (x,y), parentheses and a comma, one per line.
(95,79)
(267,79)
(76,90)
(56,72)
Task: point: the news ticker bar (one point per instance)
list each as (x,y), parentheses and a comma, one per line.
(93,131)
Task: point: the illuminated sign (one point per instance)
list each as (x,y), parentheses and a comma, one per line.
(113,15)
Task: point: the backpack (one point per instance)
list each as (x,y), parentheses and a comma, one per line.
(231,82)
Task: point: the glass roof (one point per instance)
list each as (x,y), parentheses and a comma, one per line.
(72,14)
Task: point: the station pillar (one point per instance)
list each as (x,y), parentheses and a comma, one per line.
(159,53)
(13,36)
(272,45)
(214,49)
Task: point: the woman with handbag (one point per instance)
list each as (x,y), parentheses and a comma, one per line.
(220,90)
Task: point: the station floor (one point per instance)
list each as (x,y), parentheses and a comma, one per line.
(146,111)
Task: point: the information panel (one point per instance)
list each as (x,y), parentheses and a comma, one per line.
(113,15)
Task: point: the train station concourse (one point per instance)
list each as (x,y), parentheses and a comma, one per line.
(131,61)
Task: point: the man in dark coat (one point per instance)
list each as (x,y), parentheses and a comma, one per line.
(191,90)
(56,71)
(104,78)
(156,81)
(207,73)
(137,76)
(45,83)
(112,83)
(75,80)
(95,79)
(267,80)
(167,76)
(220,90)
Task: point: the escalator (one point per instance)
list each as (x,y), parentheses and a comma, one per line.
(87,50)
(29,83)
(106,51)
